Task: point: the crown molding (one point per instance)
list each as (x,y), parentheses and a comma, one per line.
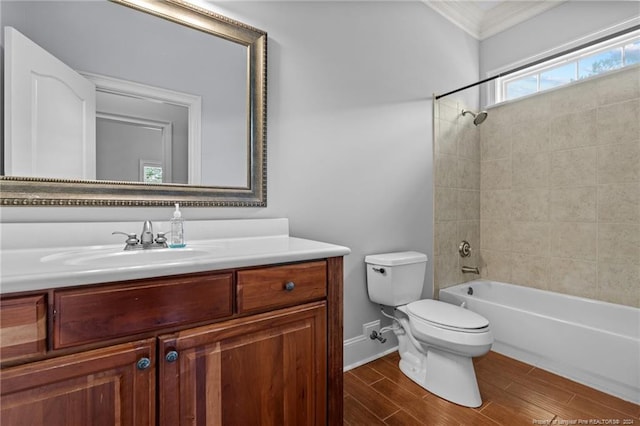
(464,14)
(481,22)
(511,13)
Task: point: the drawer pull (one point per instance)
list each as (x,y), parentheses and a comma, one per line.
(171,356)
(290,286)
(143,363)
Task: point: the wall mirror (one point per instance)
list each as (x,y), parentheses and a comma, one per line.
(174,111)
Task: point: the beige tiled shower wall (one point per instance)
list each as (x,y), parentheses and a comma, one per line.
(559,191)
(457,192)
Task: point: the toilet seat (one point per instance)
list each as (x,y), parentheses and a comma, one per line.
(446,316)
(453,332)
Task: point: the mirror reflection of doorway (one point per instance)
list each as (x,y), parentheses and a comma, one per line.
(132,128)
(132,149)
(57,132)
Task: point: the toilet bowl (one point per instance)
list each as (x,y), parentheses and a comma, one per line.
(436,340)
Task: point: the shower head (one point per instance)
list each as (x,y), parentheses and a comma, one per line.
(478,117)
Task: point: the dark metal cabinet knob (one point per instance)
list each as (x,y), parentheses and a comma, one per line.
(290,286)
(143,363)
(171,356)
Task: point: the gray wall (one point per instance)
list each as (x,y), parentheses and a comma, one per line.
(563,24)
(114,141)
(349,129)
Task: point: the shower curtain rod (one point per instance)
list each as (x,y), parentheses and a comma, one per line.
(548,58)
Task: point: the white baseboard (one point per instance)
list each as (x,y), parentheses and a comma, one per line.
(361,349)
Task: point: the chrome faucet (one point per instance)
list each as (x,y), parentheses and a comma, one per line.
(146,236)
(146,241)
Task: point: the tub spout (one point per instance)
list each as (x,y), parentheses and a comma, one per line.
(470,270)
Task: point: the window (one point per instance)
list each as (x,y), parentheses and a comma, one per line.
(616,53)
(152,174)
(151,171)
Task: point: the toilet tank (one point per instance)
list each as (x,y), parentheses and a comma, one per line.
(395,279)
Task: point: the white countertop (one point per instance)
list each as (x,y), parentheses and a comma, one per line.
(36,268)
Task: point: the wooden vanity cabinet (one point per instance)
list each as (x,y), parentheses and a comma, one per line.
(207,350)
(104,387)
(87,315)
(267,369)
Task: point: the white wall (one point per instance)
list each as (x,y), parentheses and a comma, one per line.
(350,89)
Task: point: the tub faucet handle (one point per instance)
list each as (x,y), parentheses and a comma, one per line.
(464,249)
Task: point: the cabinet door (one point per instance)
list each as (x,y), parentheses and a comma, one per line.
(108,386)
(267,369)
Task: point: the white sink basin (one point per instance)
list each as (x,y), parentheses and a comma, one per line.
(110,257)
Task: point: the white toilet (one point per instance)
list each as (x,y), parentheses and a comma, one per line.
(436,339)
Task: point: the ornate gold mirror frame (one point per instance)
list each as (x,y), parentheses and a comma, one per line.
(31,191)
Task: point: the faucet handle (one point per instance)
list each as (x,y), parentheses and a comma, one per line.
(161,238)
(132,239)
(464,248)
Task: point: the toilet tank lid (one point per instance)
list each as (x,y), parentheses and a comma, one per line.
(395,259)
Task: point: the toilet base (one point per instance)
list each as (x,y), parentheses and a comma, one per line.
(445,374)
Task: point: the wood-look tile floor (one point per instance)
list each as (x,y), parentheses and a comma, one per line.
(513,393)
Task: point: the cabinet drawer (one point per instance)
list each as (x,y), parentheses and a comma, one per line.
(23,327)
(90,315)
(266,288)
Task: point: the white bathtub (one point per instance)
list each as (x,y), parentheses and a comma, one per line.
(592,342)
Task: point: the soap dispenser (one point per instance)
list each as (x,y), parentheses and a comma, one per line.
(177,229)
